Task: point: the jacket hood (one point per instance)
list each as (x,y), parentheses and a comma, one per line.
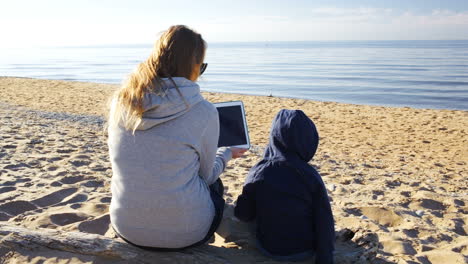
(162,108)
(292,134)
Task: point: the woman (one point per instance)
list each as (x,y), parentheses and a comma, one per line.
(163,135)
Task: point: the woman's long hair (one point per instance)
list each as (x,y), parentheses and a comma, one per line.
(174,54)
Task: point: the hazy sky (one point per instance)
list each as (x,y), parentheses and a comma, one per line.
(88,22)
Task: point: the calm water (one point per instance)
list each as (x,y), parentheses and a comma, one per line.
(423,74)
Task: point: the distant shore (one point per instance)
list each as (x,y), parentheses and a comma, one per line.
(397,177)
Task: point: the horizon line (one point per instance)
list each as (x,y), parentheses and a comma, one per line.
(235,42)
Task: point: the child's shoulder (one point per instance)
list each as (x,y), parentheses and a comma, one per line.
(266,167)
(269,165)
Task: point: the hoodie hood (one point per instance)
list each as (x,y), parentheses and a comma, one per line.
(162,108)
(292,135)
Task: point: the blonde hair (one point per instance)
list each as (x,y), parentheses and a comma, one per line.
(174,54)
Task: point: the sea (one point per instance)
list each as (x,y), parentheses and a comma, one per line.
(420,74)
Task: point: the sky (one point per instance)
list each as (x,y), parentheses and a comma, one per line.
(99,22)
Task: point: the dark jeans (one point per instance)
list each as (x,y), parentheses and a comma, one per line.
(216,193)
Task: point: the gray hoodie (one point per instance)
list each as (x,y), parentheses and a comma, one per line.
(160,195)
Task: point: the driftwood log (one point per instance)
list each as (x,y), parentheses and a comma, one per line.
(351,247)
(97,245)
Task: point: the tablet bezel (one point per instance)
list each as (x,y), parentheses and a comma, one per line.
(246,128)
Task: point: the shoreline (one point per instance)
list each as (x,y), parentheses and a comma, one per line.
(396,176)
(252,94)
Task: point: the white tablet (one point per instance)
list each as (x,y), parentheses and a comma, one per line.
(233,131)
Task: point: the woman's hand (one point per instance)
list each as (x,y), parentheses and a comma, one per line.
(237,152)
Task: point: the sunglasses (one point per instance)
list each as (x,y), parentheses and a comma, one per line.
(203,68)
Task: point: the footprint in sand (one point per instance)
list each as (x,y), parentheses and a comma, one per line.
(65,150)
(392,183)
(79,162)
(458,202)
(95,208)
(99,168)
(67,218)
(35,141)
(56,184)
(427,204)
(10,183)
(413,233)
(382,216)
(76,206)
(72,179)
(398,247)
(460,227)
(7,189)
(52,159)
(4,217)
(54,197)
(99,225)
(432,204)
(93,183)
(15,167)
(106,200)
(79,198)
(17,207)
(81,156)
(52,168)
(405,194)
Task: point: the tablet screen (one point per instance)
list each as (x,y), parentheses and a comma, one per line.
(232,130)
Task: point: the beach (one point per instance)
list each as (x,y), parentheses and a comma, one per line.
(396,177)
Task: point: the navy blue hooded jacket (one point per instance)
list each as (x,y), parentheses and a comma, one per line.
(286,196)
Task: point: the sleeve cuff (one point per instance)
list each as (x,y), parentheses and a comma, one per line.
(225,154)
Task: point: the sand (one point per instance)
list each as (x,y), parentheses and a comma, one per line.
(397,177)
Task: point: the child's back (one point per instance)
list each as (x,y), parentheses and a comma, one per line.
(286,196)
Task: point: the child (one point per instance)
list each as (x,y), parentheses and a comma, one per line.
(286,197)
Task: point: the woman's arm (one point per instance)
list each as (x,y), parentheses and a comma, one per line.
(213,161)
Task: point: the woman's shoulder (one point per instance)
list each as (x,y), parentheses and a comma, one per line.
(206,107)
